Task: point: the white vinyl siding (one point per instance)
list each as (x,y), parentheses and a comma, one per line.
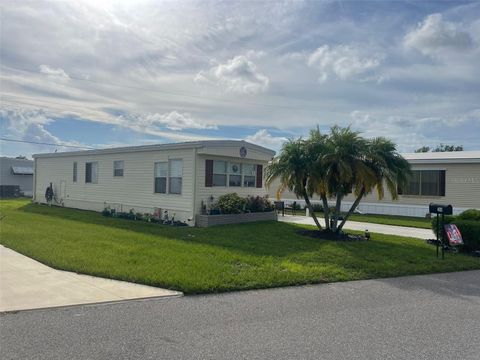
(135,190)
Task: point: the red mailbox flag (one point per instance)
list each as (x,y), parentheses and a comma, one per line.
(453,234)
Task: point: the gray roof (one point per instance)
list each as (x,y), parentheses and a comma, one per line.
(443,157)
(22,170)
(172,146)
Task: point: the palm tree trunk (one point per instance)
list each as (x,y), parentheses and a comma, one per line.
(326,211)
(337,211)
(352,208)
(310,209)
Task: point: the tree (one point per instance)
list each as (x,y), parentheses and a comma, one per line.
(335,165)
(343,166)
(389,168)
(293,169)
(440,148)
(423,149)
(445,147)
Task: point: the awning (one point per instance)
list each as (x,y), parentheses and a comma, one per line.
(22,170)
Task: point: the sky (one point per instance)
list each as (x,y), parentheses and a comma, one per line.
(97,74)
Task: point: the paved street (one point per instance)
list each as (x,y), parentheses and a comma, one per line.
(362,226)
(420,317)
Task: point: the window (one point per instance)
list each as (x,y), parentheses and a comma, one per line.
(426,183)
(91,172)
(161,177)
(234,174)
(175,177)
(249,175)
(219,173)
(118,168)
(75,172)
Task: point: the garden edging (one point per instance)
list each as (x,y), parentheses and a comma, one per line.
(224,219)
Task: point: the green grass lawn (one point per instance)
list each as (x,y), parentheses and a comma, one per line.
(216,259)
(409,221)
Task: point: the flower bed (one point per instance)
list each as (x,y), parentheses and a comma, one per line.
(233,209)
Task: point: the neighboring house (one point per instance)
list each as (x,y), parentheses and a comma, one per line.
(438,177)
(182,178)
(16,172)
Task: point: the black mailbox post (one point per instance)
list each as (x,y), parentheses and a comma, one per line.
(442,210)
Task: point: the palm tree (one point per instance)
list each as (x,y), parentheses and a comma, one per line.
(343,165)
(317,147)
(293,169)
(389,168)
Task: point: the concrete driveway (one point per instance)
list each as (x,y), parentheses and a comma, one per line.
(362,226)
(28,284)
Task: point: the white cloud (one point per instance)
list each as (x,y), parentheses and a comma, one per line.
(264,138)
(342,61)
(434,35)
(255,54)
(58,74)
(411,132)
(29,125)
(172,120)
(238,75)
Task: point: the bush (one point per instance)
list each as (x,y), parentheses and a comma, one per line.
(258,204)
(231,204)
(470,233)
(317,207)
(449,219)
(470,230)
(470,214)
(107,211)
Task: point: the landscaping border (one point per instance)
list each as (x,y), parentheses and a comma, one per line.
(225,219)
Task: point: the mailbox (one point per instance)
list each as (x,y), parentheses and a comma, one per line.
(440,209)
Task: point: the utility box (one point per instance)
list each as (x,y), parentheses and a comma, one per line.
(440,209)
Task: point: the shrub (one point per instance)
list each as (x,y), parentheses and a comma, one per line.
(470,230)
(258,204)
(231,204)
(470,214)
(449,219)
(106,211)
(317,207)
(470,233)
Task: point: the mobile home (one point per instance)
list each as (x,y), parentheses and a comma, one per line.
(439,177)
(16,177)
(181,178)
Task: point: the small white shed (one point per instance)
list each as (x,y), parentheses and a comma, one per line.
(178,178)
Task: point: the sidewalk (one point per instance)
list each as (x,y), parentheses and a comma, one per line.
(362,226)
(28,284)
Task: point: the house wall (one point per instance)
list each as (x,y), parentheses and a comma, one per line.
(134,190)
(8,178)
(204,193)
(462,191)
